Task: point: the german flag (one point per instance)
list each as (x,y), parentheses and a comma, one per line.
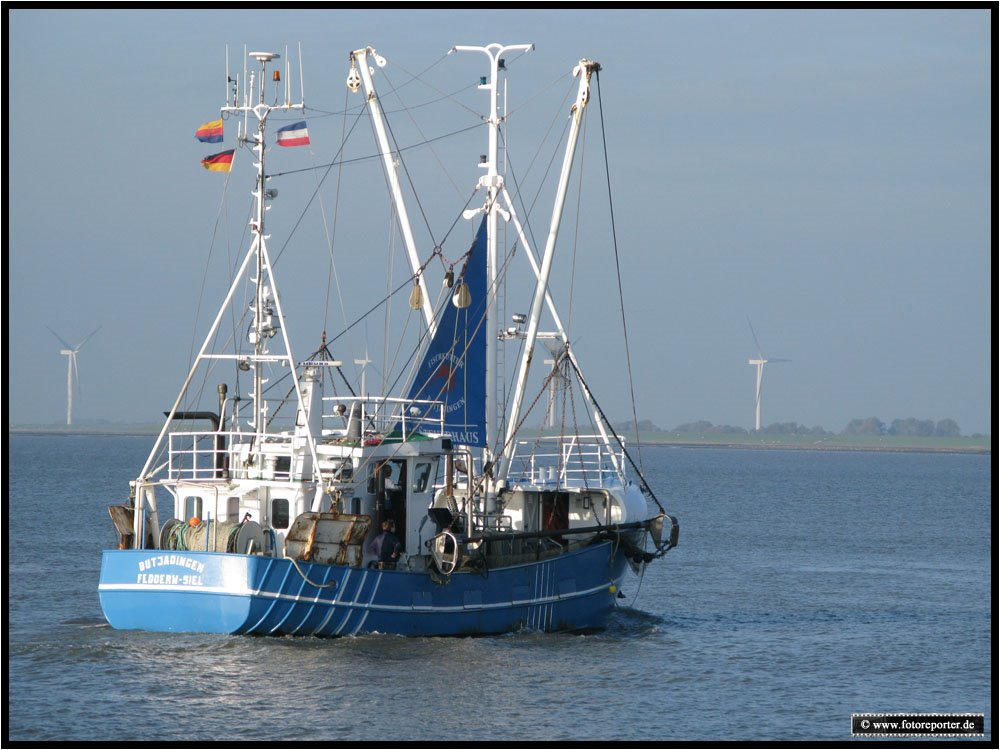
(220,162)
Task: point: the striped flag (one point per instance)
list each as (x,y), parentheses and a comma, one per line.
(293,135)
(210,132)
(220,162)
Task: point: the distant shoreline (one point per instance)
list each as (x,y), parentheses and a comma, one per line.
(870,443)
(827,446)
(887,443)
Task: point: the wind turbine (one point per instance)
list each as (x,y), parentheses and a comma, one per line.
(558,380)
(759,362)
(71,352)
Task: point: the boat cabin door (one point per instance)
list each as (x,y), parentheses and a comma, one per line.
(390,486)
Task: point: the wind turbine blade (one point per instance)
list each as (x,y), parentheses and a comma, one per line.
(778,359)
(61,339)
(760,352)
(78,346)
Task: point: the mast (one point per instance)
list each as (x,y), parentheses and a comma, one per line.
(359,64)
(561,334)
(493,182)
(584,70)
(268,318)
(260,333)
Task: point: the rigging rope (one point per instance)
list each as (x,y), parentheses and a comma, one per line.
(305,578)
(315,192)
(372,156)
(644,484)
(332,274)
(621,296)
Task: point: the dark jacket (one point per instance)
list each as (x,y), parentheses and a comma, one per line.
(386,547)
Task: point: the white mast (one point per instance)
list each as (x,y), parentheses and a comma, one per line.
(268,315)
(560,333)
(493,182)
(584,70)
(359,65)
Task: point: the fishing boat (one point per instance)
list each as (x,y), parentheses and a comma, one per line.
(277,505)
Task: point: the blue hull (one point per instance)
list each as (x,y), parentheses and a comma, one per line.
(210,592)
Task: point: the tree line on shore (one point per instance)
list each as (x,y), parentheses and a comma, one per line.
(909,427)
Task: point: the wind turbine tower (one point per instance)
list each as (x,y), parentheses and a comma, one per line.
(759,363)
(71,369)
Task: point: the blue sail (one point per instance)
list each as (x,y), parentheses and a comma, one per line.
(454,367)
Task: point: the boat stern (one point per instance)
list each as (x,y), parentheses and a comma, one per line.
(164,590)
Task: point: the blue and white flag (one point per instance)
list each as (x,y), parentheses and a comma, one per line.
(293,135)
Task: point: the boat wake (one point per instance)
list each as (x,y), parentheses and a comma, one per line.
(87,622)
(633,623)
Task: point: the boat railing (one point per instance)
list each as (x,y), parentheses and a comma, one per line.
(201,456)
(280,456)
(577,461)
(384,416)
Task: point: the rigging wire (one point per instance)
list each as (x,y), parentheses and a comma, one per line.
(416,195)
(387,319)
(320,181)
(204,279)
(541,92)
(527,227)
(325,345)
(332,275)
(195,395)
(410,108)
(371,157)
(312,197)
(642,479)
(618,270)
(534,158)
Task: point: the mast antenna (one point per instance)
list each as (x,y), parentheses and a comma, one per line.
(302,82)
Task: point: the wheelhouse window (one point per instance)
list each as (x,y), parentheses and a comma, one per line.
(423,474)
(192,507)
(390,475)
(279,513)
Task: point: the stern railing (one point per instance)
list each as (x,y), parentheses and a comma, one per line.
(577,461)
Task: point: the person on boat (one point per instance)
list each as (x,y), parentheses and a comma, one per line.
(386,546)
(386,470)
(381,478)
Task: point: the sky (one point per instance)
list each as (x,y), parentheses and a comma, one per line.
(824,174)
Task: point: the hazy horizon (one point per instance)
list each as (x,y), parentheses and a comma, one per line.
(618,424)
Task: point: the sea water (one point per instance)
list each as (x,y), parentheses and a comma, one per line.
(807,586)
